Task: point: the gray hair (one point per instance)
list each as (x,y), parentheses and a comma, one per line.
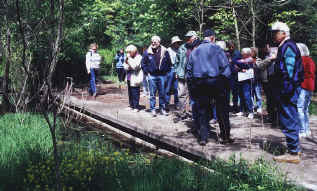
(304,51)
(131,48)
(222,44)
(156,38)
(246,51)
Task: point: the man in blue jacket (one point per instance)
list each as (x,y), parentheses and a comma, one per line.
(156,63)
(208,70)
(287,80)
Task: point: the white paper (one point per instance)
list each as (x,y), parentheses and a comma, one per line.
(249,74)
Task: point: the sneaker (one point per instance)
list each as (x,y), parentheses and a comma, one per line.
(308,133)
(251,116)
(289,158)
(239,114)
(129,108)
(163,112)
(153,113)
(213,121)
(136,110)
(302,135)
(259,110)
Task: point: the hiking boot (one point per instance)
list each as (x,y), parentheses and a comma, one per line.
(203,142)
(288,158)
(225,140)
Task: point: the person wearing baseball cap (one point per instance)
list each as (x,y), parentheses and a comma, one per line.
(181,60)
(287,80)
(171,80)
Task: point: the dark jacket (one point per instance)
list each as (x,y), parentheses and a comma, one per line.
(207,61)
(149,65)
(289,72)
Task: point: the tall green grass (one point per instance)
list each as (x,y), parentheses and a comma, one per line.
(24,137)
(88,162)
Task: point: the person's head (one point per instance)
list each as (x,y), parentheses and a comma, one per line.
(304,51)
(121,50)
(155,41)
(209,35)
(230,45)
(280,31)
(190,36)
(175,42)
(132,50)
(222,44)
(93,46)
(246,52)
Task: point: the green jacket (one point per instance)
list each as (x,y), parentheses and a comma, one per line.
(181,61)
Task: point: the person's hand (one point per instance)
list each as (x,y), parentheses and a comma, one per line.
(273,56)
(244,70)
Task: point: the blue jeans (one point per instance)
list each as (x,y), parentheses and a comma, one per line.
(257,87)
(302,106)
(171,85)
(145,85)
(134,96)
(92,82)
(157,84)
(245,95)
(289,120)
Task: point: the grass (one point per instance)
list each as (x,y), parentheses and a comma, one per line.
(90,163)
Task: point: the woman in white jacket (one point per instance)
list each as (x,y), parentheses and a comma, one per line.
(134,76)
(93,60)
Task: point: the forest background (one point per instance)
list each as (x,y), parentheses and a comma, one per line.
(45,41)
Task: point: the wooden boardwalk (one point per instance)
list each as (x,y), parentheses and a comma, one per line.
(253,139)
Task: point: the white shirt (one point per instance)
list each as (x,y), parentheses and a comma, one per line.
(172,54)
(93,60)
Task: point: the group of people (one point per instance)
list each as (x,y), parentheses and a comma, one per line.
(209,71)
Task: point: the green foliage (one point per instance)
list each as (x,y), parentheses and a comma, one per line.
(89,163)
(24,137)
(108,65)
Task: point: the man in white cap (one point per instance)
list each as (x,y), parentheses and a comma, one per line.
(171,83)
(181,60)
(287,80)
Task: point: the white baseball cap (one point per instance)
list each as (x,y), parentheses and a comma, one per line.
(190,34)
(279,26)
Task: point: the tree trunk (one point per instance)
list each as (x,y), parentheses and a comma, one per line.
(201,24)
(236,27)
(253,23)
(6,77)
